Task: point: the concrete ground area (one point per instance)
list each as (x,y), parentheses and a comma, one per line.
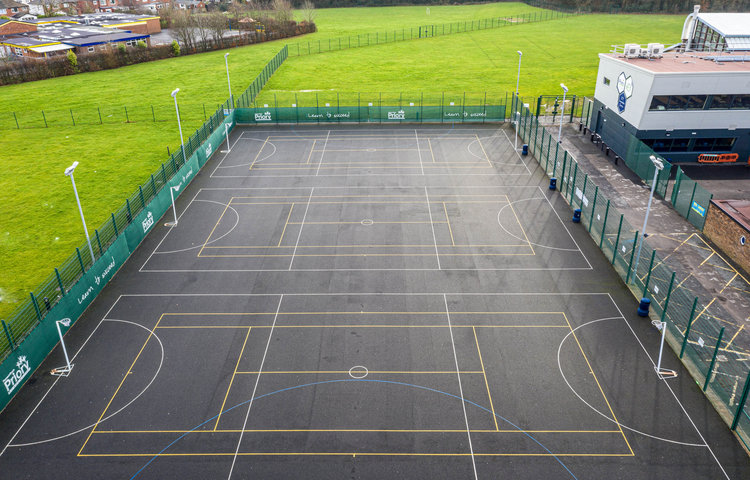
(366,302)
(705,271)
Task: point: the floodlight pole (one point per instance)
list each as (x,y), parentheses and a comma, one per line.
(562,113)
(69,172)
(661,347)
(658,168)
(518,77)
(518,119)
(179,125)
(231,98)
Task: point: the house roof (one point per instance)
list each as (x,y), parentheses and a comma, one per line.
(11,4)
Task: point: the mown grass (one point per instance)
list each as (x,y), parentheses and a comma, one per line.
(554,52)
(39,224)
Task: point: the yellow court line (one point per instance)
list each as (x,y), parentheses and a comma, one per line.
(359,326)
(272,255)
(285,224)
(367,246)
(704,309)
(483,150)
(448,221)
(258,155)
(735,336)
(522,229)
(614,417)
(728,283)
(239,357)
(675,249)
(378,195)
(704,261)
(432,154)
(345,372)
(350,430)
(213,229)
(415,222)
(311,151)
(124,377)
(728,269)
(486,384)
(354,454)
(685,280)
(378,202)
(723,259)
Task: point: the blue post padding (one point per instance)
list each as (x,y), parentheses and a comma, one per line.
(577,215)
(643,307)
(552,183)
(525,149)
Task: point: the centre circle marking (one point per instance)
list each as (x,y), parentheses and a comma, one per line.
(367,222)
(358,372)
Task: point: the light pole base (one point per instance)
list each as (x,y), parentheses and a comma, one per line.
(170,224)
(665,373)
(62,371)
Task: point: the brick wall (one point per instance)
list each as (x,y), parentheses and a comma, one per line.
(725,232)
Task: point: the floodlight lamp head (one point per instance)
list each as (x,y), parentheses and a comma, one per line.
(69,171)
(226,55)
(657,162)
(565,89)
(174,93)
(519,52)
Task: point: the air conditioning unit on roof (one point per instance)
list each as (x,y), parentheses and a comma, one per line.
(632,50)
(655,50)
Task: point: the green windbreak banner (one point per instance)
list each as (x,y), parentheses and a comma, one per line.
(373,114)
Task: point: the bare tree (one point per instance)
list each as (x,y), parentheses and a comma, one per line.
(218,23)
(202,24)
(308,11)
(182,28)
(282,11)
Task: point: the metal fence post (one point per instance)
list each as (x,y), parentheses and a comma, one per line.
(593,207)
(59,282)
(648,277)
(114,223)
(689,325)
(9,336)
(36,306)
(666,300)
(690,204)
(740,406)
(583,191)
(80,260)
(676,186)
(99,242)
(713,360)
(617,241)
(632,254)
(604,225)
(130,213)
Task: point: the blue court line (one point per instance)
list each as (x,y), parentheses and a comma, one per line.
(354,380)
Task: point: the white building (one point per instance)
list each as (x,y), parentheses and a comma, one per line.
(680,103)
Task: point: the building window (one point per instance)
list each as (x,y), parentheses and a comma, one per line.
(659,102)
(606,81)
(701,145)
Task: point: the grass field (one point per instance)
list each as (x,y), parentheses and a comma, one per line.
(40,224)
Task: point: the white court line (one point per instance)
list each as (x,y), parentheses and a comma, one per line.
(432,225)
(168,230)
(511,269)
(323,153)
(376,187)
(344,175)
(374,294)
(255,388)
(565,227)
(516,151)
(666,383)
(460,388)
(226,154)
(58,378)
(419,151)
(302,225)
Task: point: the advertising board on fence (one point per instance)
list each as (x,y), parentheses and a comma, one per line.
(373,114)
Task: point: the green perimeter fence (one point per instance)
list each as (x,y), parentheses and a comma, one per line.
(696,336)
(30,333)
(422,31)
(689,198)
